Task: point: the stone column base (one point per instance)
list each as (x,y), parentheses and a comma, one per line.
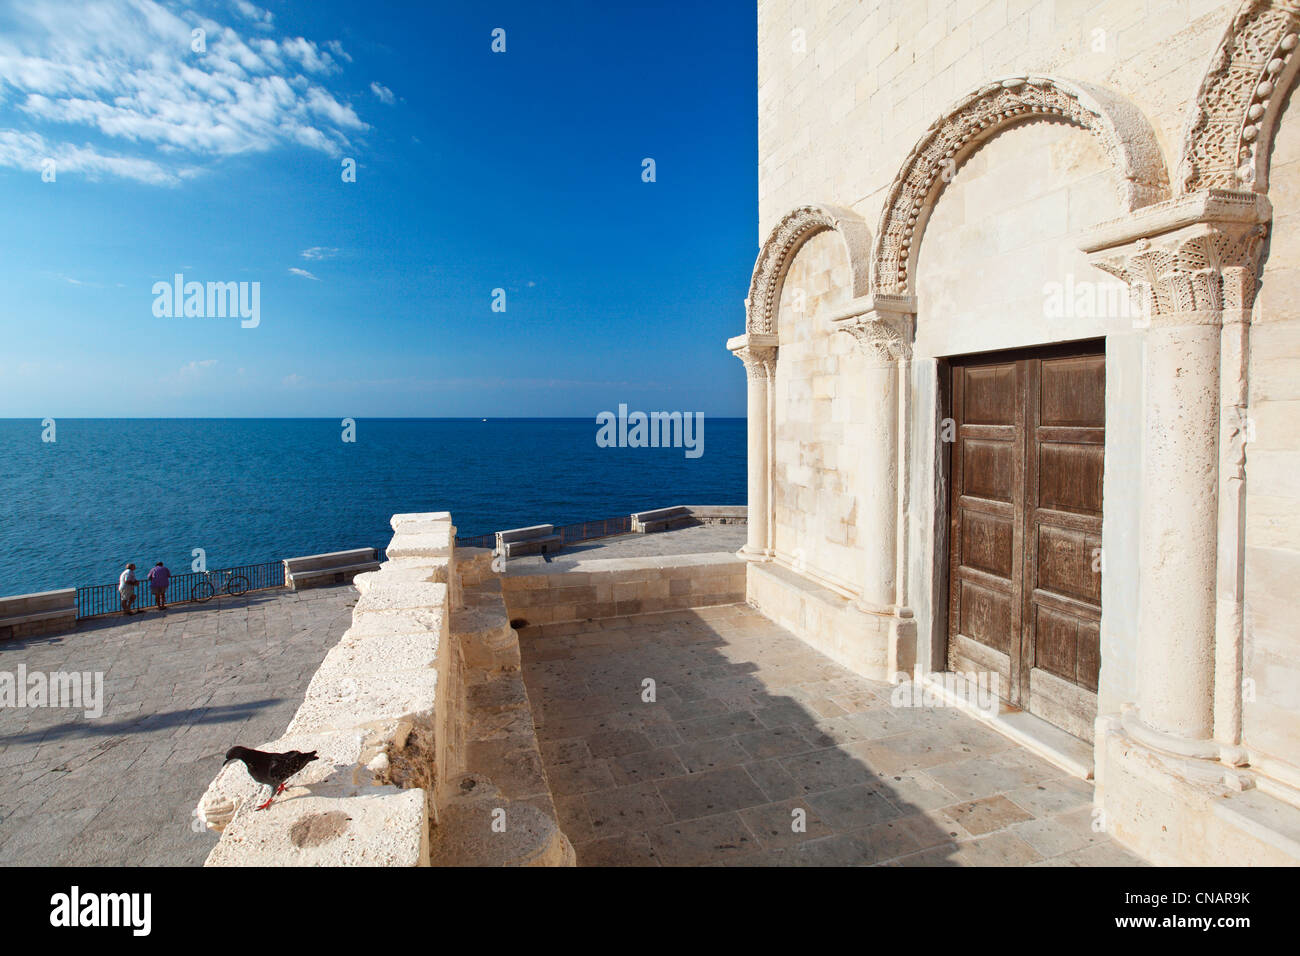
(877,646)
(1183,811)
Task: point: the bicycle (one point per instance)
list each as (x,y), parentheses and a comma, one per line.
(230,582)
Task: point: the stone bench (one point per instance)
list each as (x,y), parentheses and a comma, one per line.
(45,612)
(538,539)
(683,516)
(337,567)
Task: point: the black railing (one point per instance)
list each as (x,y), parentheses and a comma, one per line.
(97,599)
(594,529)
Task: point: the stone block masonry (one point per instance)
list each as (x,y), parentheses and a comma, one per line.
(592,589)
(423,729)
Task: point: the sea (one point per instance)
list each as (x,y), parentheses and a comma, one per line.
(74,510)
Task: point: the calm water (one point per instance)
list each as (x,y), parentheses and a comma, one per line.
(108,491)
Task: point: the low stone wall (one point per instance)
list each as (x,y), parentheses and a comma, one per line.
(877,646)
(45,612)
(687,516)
(613,587)
(394,713)
(324,570)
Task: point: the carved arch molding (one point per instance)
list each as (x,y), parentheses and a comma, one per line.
(795,228)
(885,268)
(1229,133)
(1123,131)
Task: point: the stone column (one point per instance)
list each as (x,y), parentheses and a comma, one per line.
(758,352)
(1197,261)
(1179,524)
(883,328)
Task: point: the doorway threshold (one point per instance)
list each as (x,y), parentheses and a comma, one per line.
(1036,735)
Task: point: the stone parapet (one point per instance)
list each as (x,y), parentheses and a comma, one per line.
(400,714)
(614,587)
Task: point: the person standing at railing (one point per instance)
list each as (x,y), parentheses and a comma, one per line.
(126,588)
(158,577)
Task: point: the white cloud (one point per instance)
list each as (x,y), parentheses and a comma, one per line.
(302,272)
(384,93)
(320,252)
(293,381)
(30,151)
(123,72)
(261,18)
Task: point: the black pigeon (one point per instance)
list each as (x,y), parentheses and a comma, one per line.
(270,769)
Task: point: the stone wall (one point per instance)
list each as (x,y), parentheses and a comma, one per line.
(945,179)
(422,727)
(836,120)
(819,401)
(1272,645)
(593,589)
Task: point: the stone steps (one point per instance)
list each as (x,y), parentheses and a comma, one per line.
(500,811)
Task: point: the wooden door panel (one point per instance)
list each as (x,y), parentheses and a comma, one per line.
(986,616)
(988,543)
(1069,477)
(1065,563)
(1073,392)
(987,519)
(991,395)
(986,465)
(1060,643)
(1025,527)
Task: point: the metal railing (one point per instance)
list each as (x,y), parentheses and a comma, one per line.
(96,599)
(603,528)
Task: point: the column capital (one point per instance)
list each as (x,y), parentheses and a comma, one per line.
(1197,254)
(884,325)
(757,351)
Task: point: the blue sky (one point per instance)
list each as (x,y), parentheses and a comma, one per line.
(475,171)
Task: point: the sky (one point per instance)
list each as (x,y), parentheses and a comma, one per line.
(142,139)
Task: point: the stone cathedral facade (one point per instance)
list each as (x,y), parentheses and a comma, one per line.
(1022,345)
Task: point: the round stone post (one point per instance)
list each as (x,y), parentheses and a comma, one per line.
(1179,525)
(883,330)
(758,352)
(1197,261)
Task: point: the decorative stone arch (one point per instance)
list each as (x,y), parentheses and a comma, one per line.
(1229,134)
(795,228)
(1123,131)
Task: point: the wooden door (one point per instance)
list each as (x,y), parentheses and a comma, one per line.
(1025,542)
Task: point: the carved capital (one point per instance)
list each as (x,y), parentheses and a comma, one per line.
(1204,268)
(1195,254)
(760,363)
(758,352)
(883,326)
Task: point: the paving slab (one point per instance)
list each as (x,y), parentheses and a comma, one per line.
(758,751)
(181,687)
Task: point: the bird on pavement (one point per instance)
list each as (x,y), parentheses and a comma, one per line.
(270,769)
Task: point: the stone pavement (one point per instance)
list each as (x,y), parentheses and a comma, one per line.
(750,726)
(701,539)
(181,687)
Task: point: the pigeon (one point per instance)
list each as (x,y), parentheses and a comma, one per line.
(270,768)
